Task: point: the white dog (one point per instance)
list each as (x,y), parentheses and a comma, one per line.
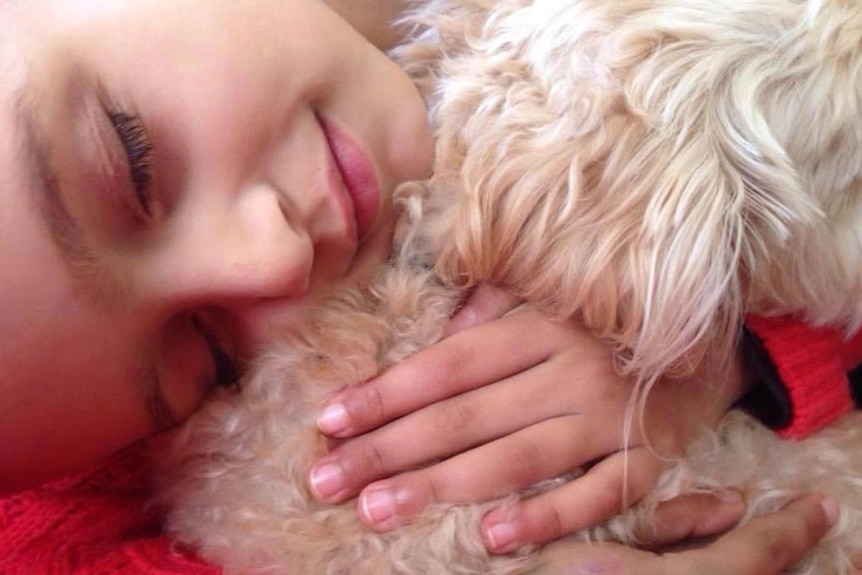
(655,168)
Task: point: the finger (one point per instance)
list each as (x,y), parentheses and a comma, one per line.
(690,516)
(484,304)
(766,545)
(454,365)
(570,557)
(749,550)
(446,428)
(504,466)
(603,492)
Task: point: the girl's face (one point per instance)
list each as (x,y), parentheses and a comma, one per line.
(175,177)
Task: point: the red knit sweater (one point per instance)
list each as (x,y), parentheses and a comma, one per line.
(91,524)
(813,364)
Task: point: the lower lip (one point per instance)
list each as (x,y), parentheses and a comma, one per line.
(358,176)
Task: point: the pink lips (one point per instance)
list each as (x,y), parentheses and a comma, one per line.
(357,174)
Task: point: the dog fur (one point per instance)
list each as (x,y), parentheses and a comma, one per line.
(655,169)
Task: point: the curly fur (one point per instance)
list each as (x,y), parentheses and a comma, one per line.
(656,168)
(681,161)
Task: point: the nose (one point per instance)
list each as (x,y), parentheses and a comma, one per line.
(229,255)
(232,258)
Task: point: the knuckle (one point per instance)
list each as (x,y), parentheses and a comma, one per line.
(549,525)
(524,462)
(453,416)
(609,497)
(441,366)
(776,548)
(660,527)
(423,489)
(372,404)
(372,461)
(450,368)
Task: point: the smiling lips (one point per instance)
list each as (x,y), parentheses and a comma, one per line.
(362,199)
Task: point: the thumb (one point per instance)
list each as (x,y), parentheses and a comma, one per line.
(690,516)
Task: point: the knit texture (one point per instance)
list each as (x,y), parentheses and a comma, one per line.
(812,363)
(95,523)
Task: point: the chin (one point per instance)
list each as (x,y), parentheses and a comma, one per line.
(655,169)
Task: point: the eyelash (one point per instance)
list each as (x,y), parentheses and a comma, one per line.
(135,139)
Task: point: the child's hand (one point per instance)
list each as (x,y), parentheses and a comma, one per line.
(765,546)
(499,407)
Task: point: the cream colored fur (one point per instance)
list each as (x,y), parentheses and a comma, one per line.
(655,168)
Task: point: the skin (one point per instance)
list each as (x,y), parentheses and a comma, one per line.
(543,407)
(243,229)
(767,545)
(115,294)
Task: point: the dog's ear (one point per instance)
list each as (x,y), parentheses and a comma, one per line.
(714,197)
(648,238)
(716,204)
(647,202)
(675,212)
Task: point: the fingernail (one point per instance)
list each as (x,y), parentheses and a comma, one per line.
(377,505)
(326,480)
(729,496)
(333,419)
(501,536)
(830,509)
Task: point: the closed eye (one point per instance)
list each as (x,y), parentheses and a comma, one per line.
(136,143)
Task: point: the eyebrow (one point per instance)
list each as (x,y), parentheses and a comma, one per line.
(69,239)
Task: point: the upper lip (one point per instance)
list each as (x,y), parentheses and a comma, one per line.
(361,203)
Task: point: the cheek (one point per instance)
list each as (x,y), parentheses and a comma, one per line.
(70,405)
(68,389)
